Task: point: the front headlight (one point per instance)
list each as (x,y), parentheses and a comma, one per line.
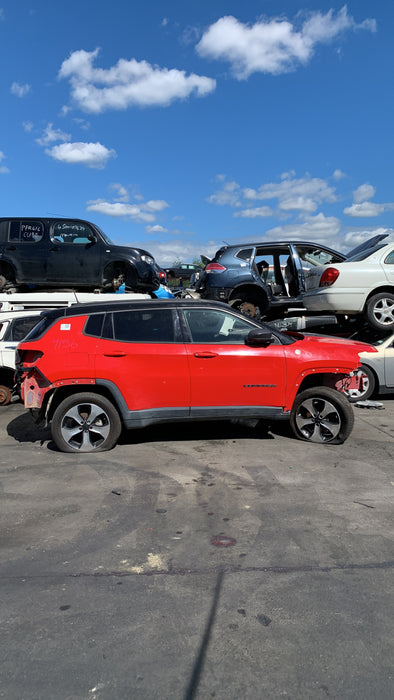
(148,259)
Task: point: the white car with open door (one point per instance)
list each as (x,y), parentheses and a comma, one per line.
(361,285)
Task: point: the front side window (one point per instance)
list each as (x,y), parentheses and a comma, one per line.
(75,232)
(214,326)
(144,326)
(26,231)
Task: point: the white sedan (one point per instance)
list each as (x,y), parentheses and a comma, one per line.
(361,285)
(376,375)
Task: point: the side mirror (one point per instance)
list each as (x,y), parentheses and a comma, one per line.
(92,238)
(259,337)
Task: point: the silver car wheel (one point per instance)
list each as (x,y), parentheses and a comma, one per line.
(318,420)
(383,312)
(85,427)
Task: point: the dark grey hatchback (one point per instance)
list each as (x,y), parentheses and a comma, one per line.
(53,253)
(263,279)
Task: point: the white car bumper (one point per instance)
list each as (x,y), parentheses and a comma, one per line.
(343,301)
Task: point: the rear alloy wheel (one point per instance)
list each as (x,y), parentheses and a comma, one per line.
(246,307)
(85,423)
(380,311)
(322,415)
(361,386)
(5,395)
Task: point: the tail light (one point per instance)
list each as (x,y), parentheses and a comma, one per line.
(329,276)
(214,267)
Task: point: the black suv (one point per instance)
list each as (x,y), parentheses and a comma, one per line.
(263,279)
(73,253)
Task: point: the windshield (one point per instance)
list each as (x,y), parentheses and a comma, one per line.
(365,253)
(104,235)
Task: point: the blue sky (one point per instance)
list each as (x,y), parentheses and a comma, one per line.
(177,126)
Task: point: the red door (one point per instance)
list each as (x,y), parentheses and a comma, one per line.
(144,361)
(226,372)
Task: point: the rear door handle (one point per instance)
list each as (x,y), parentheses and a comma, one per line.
(205,355)
(114,354)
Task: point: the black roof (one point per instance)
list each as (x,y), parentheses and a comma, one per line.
(104,307)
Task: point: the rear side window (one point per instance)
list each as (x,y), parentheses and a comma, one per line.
(245,254)
(390,258)
(26,231)
(94,325)
(144,326)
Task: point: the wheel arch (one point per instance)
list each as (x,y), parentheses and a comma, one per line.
(384,288)
(53,399)
(328,379)
(10,269)
(253,291)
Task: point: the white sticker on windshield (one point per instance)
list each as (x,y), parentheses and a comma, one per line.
(65,326)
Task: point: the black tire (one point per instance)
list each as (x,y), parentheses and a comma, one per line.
(379,311)
(247,307)
(72,431)
(362,386)
(5,395)
(322,415)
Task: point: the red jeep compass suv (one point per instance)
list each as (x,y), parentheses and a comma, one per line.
(91,369)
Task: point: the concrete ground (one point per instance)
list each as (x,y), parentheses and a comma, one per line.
(210,560)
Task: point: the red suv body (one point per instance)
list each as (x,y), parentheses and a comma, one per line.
(91,369)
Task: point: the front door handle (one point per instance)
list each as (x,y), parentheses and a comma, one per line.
(11,247)
(205,355)
(114,354)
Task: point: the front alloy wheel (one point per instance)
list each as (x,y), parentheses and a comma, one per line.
(322,415)
(85,423)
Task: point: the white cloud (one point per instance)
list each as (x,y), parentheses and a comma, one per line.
(362,207)
(366,209)
(165,252)
(338,174)
(156,205)
(128,83)
(291,189)
(358,236)
(93,155)
(363,192)
(305,204)
(27,126)
(319,228)
(254,213)
(156,229)
(120,209)
(50,135)
(20,90)
(3,168)
(82,123)
(122,193)
(274,46)
(293,194)
(229,195)
(143,212)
